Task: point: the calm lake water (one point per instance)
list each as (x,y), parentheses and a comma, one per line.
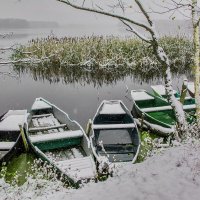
(79,97)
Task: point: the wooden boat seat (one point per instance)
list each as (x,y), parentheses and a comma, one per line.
(79,168)
(56,136)
(6,145)
(37,129)
(40,116)
(113,126)
(11,123)
(162,108)
(141,95)
(15,112)
(112,108)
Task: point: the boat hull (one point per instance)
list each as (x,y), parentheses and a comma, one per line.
(114,122)
(61,145)
(17,148)
(45,160)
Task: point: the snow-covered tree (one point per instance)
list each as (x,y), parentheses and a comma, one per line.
(195,23)
(189,9)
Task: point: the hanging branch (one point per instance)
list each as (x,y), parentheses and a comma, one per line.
(107,14)
(131,29)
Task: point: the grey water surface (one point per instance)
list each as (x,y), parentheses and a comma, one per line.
(80,97)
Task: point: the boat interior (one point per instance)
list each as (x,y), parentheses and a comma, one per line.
(159,108)
(61,140)
(115,135)
(54,137)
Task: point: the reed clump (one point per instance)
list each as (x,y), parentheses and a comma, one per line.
(106,55)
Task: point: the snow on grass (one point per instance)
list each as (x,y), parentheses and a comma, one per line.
(171,174)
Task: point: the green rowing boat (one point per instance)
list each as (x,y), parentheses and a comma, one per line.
(156,113)
(60,141)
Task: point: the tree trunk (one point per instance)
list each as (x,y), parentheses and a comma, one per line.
(175,104)
(196,59)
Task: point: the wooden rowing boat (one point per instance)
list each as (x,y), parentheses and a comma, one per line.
(156,113)
(10,138)
(114,133)
(190,87)
(159,90)
(60,141)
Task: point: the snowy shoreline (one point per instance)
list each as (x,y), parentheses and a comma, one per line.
(172,174)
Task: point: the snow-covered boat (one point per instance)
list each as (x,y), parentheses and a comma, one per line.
(10,138)
(160,91)
(190,87)
(155,112)
(114,134)
(60,141)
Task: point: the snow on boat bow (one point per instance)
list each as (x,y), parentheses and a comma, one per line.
(10,138)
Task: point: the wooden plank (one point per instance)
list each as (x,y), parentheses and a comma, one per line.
(6,145)
(164,108)
(112,126)
(36,129)
(43,115)
(140,95)
(56,136)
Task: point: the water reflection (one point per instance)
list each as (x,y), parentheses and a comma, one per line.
(96,76)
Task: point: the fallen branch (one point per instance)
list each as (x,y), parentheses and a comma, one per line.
(156,128)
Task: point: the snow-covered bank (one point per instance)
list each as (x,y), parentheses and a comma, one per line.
(172,174)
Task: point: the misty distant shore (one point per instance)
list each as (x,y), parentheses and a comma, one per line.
(22,23)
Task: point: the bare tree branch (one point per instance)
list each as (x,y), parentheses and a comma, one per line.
(144,12)
(107,14)
(158,51)
(131,29)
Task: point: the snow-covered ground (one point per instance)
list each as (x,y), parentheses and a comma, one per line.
(172,174)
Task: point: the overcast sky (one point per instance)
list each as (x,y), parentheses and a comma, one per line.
(52,10)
